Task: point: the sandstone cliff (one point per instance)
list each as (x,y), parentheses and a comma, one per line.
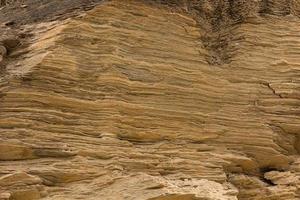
(150,100)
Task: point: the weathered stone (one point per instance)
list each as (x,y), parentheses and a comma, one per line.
(19,178)
(282,178)
(11,151)
(150,100)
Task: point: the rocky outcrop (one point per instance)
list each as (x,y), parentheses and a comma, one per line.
(155,100)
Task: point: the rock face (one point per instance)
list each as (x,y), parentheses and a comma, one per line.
(150,100)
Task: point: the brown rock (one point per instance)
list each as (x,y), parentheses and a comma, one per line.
(282,178)
(19,178)
(11,151)
(30,194)
(150,100)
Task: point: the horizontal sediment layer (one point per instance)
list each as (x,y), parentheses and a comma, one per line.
(125,95)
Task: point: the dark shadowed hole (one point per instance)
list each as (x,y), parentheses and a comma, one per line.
(265,170)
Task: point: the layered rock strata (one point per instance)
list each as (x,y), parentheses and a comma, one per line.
(145,101)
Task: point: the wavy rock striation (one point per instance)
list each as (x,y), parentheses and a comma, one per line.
(146,101)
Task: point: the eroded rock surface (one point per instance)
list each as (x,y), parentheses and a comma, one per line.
(151,100)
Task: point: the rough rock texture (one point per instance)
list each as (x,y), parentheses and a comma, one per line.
(150,100)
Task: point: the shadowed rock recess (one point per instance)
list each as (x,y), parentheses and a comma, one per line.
(150,100)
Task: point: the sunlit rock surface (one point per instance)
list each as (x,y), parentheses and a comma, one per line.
(145,101)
